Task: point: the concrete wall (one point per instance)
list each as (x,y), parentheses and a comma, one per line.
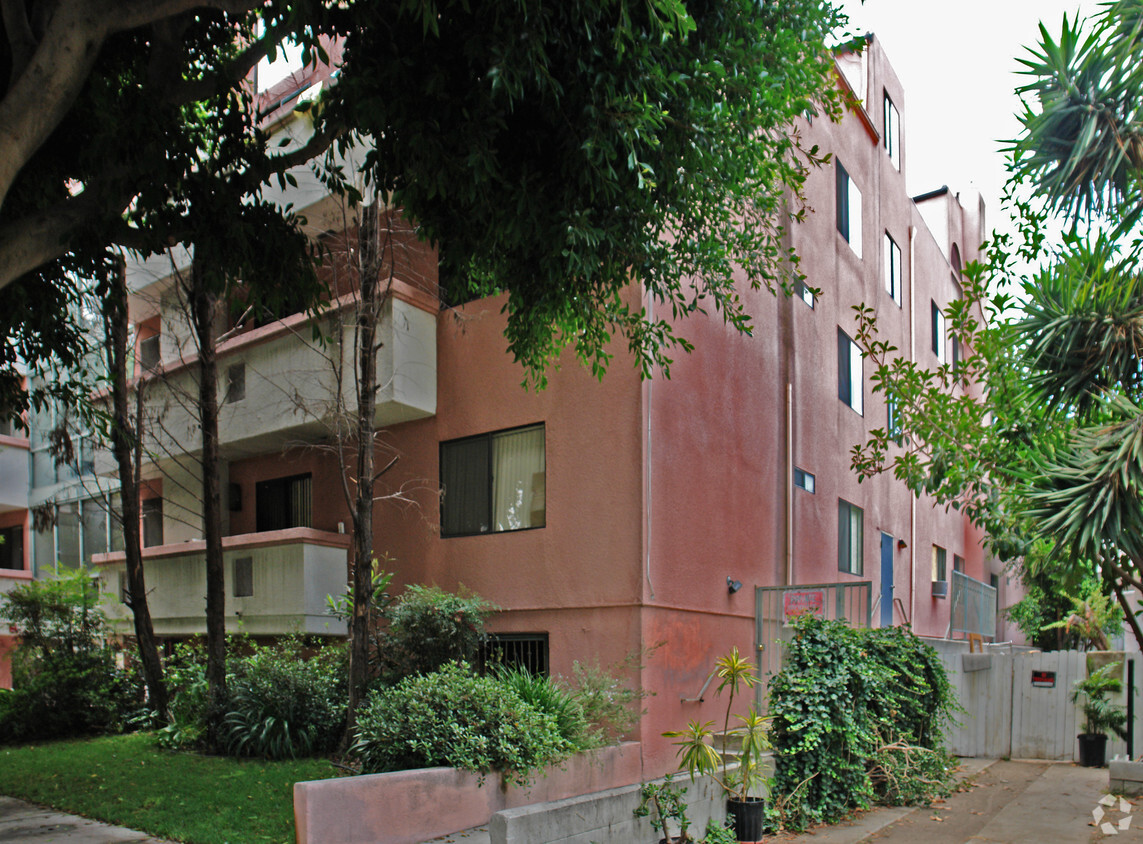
(406,807)
(606,817)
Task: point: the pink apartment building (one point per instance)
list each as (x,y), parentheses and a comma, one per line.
(605,518)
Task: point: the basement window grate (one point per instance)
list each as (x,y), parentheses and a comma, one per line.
(516,650)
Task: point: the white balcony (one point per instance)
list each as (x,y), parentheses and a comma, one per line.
(277,386)
(276,583)
(14,467)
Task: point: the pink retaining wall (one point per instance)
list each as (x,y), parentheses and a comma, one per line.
(407,807)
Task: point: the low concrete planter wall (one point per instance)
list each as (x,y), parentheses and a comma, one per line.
(607,816)
(407,807)
(1125,777)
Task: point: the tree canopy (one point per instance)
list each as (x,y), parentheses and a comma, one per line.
(554,151)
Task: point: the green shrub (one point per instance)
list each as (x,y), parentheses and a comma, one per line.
(454,718)
(64,677)
(186,683)
(610,706)
(857,718)
(547,695)
(283,705)
(428,628)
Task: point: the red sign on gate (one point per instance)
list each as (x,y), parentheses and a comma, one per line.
(804,601)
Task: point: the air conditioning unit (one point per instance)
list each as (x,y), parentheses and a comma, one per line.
(940,588)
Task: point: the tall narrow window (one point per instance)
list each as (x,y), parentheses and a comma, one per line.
(283,503)
(850,537)
(938,332)
(893,268)
(892,420)
(848,209)
(939,563)
(493,483)
(12,547)
(958,563)
(892,133)
(149,352)
(849,378)
(152,522)
(235,383)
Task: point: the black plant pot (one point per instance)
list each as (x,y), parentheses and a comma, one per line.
(749,817)
(1092,749)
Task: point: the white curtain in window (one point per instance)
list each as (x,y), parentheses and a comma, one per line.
(518,479)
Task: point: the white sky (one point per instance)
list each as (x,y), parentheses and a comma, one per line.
(957,63)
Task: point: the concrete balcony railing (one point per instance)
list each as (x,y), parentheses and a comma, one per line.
(278,386)
(276,583)
(14,469)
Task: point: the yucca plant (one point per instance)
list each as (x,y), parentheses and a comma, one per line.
(697,756)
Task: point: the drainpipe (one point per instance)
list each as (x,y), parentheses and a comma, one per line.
(648,464)
(789,484)
(912,497)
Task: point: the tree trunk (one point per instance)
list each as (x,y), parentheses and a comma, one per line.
(1132,621)
(123,437)
(202,301)
(365,341)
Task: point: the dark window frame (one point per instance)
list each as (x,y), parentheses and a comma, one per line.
(845,544)
(274,498)
(486,438)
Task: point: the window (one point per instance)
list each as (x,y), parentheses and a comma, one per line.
(849,381)
(149,352)
(93,521)
(152,510)
(12,548)
(892,420)
(850,537)
(939,572)
(892,133)
(938,332)
(67,534)
(12,426)
(893,268)
(493,482)
(235,383)
(848,209)
(958,563)
(803,480)
(806,294)
(527,651)
(243,577)
(283,503)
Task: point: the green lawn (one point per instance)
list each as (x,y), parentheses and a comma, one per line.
(128,780)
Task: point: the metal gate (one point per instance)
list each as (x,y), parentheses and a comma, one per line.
(776,606)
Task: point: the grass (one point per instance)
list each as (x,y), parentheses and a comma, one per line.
(129,781)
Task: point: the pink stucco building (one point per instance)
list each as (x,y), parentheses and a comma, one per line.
(605,518)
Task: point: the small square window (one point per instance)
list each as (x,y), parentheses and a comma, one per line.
(152,522)
(850,537)
(243,577)
(848,209)
(805,293)
(939,563)
(149,352)
(850,386)
(235,383)
(803,480)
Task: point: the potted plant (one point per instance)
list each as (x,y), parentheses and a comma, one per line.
(1099,713)
(666,799)
(698,756)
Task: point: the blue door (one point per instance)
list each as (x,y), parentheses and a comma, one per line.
(886,580)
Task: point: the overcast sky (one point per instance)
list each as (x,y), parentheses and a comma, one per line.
(957,63)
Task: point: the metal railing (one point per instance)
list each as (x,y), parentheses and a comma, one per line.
(973,607)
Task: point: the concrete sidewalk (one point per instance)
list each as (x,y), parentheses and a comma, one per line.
(1008,802)
(25,822)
